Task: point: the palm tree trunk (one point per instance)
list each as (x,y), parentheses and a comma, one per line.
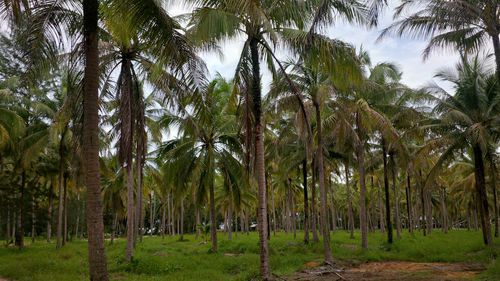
(213,226)
(350,212)
(314,229)
(77,223)
(496,48)
(95,226)
(138,212)
(259,161)
(493,176)
(306,201)
(164,217)
(334,212)
(396,195)
(322,189)
(481,195)
(198,222)
(387,197)
(130,211)
(60,208)
(424,221)
(362,185)
(65,211)
(181,221)
(408,202)
(49,214)
(33,218)
(380,209)
(230,223)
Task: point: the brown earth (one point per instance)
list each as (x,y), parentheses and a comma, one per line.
(390,271)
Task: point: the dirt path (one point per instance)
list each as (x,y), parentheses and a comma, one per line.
(391,271)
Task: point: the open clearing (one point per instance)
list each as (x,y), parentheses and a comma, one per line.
(458,255)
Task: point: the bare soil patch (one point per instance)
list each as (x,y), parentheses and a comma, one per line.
(390,271)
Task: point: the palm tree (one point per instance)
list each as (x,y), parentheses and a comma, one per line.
(95,226)
(208,142)
(132,50)
(467,120)
(463,25)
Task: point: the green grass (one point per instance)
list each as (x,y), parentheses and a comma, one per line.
(170,259)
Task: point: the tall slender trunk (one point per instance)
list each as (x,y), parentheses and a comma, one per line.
(496,49)
(230,223)
(408,202)
(60,208)
(334,212)
(422,203)
(164,217)
(77,223)
(313,216)
(493,176)
(396,195)
(362,185)
(198,221)
(387,197)
(130,211)
(213,226)
(259,161)
(380,208)
(350,212)
(126,149)
(428,207)
(8,232)
(306,201)
(33,218)
(151,219)
(322,189)
(65,208)
(138,212)
(481,195)
(181,221)
(49,214)
(95,226)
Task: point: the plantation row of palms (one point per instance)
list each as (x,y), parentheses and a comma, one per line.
(108,115)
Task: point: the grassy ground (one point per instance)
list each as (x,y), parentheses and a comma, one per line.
(170,259)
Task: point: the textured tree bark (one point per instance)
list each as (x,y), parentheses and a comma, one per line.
(19,240)
(322,189)
(306,201)
(313,216)
(481,195)
(493,176)
(259,161)
(387,197)
(362,185)
(65,208)
(95,226)
(423,220)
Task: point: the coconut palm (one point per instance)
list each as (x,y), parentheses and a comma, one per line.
(207,141)
(462,25)
(468,119)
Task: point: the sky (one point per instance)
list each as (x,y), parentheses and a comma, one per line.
(404,52)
